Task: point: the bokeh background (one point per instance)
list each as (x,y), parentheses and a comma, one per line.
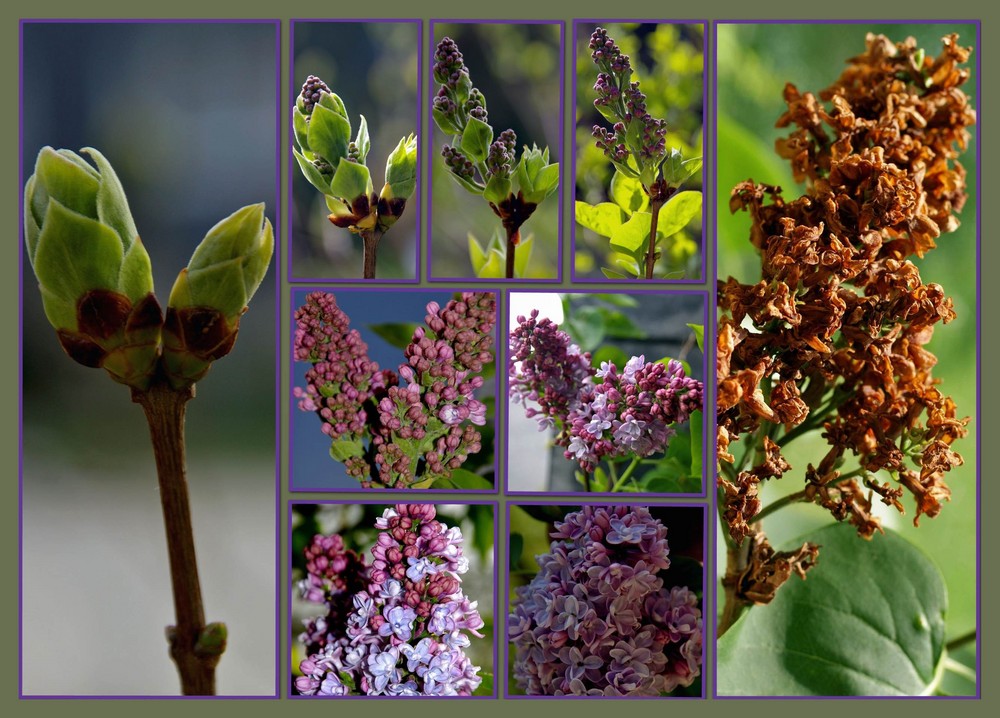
(395,313)
(356,525)
(372,66)
(668,62)
(755,62)
(613,327)
(186,114)
(518,69)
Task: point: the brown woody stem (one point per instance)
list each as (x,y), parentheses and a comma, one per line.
(733,606)
(370,238)
(164,408)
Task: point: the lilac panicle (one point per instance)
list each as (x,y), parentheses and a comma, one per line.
(398,429)
(545,368)
(409,621)
(597,619)
(631,414)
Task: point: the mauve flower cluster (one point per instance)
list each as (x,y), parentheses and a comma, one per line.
(631,413)
(358,403)
(619,99)
(627,414)
(408,624)
(597,619)
(546,368)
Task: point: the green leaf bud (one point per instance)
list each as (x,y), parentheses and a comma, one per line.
(212,293)
(536,178)
(93,271)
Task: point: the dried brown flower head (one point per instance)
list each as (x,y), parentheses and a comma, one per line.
(833,334)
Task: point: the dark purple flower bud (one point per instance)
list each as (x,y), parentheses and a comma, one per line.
(311,90)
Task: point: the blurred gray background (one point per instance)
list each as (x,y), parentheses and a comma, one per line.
(186,114)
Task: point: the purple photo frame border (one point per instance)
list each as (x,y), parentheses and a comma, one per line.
(706,425)
(705,618)
(418,194)
(496,594)
(715,260)
(300,290)
(276,23)
(562,145)
(705,140)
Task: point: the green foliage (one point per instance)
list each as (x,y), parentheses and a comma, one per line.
(490,261)
(868,620)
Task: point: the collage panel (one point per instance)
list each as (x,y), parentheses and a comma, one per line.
(392,601)
(605,392)
(640,93)
(393,389)
(853,243)
(354,202)
(171,134)
(496,155)
(605,601)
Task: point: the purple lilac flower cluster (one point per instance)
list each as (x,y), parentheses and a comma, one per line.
(408,627)
(597,619)
(628,414)
(357,403)
(618,98)
(631,413)
(546,368)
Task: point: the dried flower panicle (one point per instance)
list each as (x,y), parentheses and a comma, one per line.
(378,425)
(833,335)
(598,619)
(408,621)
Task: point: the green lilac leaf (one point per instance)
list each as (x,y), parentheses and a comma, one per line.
(677,212)
(76,253)
(396,334)
(699,335)
(516,549)
(612,274)
(867,621)
(632,238)
(627,193)
(603,218)
(586,326)
(309,171)
(351,180)
(362,141)
(695,422)
(463,479)
(497,189)
(477,256)
(482,523)
(329,134)
(522,255)
(476,139)
(494,267)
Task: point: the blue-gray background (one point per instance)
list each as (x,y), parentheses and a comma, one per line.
(186,114)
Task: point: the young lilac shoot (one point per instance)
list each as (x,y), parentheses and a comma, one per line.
(598,619)
(636,146)
(484,164)
(97,290)
(398,627)
(335,165)
(391,434)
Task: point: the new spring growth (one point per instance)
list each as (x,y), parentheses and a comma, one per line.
(635,145)
(97,284)
(484,164)
(97,290)
(335,165)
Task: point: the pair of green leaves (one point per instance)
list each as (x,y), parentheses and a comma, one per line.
(489,260)
(626,222)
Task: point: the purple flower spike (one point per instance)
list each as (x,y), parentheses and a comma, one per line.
(406,631)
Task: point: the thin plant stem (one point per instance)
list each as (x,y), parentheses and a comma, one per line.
(165,408)
(654,207)
(626,475)
(370,238)
(956,643)
(513,237)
